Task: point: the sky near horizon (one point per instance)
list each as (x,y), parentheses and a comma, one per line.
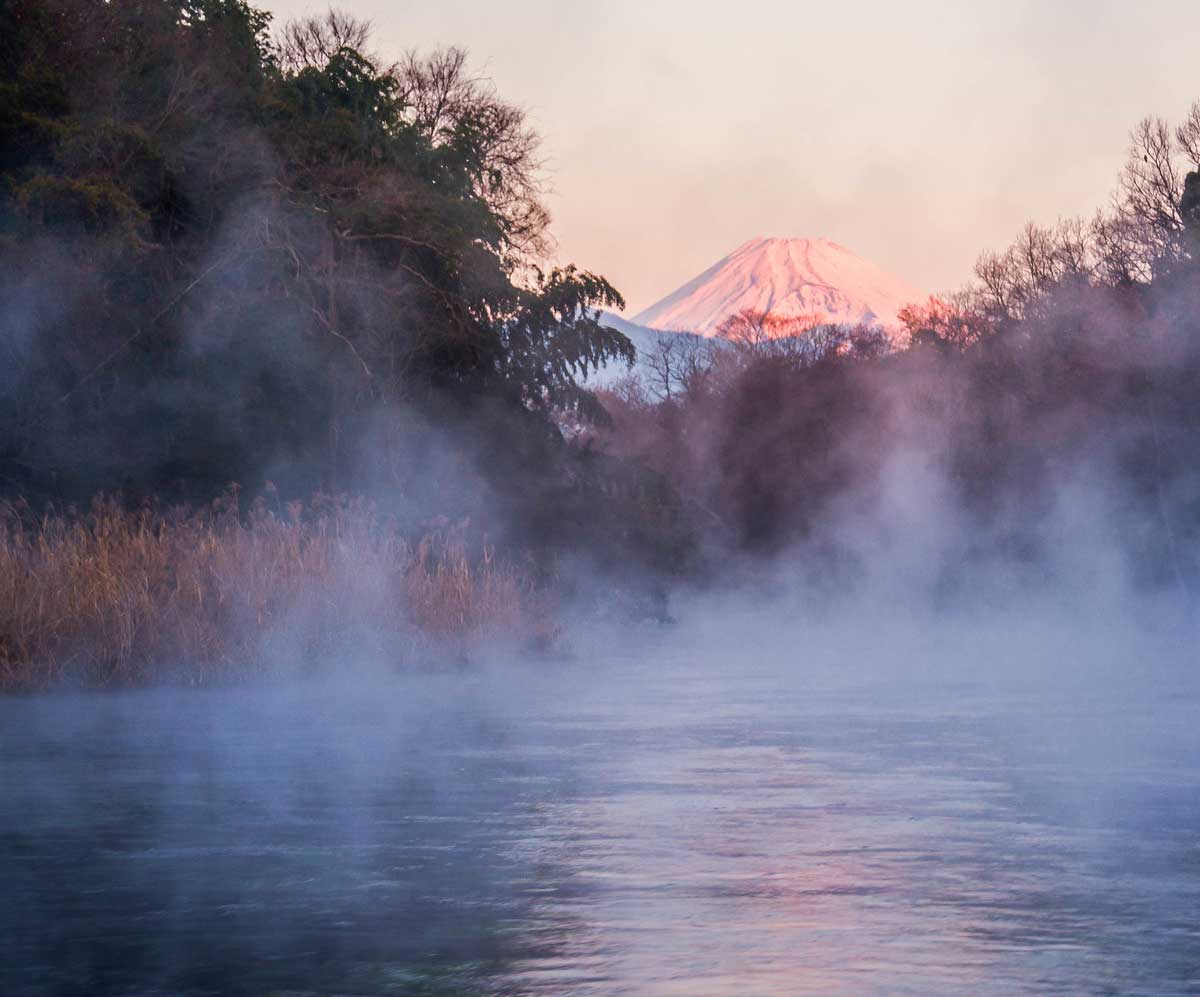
(915,134)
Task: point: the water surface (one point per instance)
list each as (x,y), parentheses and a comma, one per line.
(640,825)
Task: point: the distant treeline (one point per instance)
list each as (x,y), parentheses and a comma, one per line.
(1062,385)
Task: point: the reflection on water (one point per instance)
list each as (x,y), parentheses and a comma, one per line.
(643,830)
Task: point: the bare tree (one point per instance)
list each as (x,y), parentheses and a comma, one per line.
(1187,136)
(754,334)
(448,104)
(1010,284)
(1074,256)
(998,290)
(1119,243)
(748,330)
(1150,189)
(1143,230)
(445,102)
(677,363)
(310,42)
(950,321)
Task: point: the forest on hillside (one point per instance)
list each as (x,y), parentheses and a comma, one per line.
(243,264)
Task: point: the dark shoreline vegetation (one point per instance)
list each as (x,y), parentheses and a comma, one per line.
(230,253)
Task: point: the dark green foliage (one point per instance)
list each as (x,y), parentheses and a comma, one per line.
(555,334)
(1189,209)
(220,262)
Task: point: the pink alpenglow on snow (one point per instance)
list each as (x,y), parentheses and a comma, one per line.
(785,278)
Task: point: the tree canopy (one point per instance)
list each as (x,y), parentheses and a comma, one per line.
(226,250)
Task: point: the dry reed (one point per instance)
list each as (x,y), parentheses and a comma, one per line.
(119,597)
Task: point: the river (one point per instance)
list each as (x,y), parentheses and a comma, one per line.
(642,824)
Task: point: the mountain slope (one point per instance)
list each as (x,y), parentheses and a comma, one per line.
(644,339)
(786,278)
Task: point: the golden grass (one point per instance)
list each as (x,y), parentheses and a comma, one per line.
(114,597)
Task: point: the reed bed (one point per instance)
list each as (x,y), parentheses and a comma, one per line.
(118,597)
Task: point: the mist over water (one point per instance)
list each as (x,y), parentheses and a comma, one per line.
(807,664)
(745,801)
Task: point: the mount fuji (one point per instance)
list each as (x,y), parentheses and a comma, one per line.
(785,278)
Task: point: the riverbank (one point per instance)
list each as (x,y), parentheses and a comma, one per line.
(113,597)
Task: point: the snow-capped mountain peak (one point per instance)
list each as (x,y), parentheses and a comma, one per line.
(785,278)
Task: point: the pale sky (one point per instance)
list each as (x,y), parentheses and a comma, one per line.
(915,133)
